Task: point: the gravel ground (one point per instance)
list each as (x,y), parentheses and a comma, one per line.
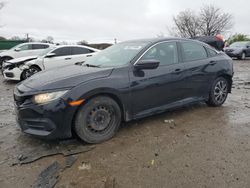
(195,146)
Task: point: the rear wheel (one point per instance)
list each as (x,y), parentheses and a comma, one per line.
(218,92)
(98,120)
(29,72)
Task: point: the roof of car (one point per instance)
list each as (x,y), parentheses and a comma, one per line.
(37,43)
(75,45)
(156,40)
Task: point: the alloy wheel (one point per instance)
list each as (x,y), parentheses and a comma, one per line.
(220,91)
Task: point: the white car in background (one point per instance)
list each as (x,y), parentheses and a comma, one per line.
(53,57)
(23,50)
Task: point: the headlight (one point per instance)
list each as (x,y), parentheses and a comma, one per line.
(48,97)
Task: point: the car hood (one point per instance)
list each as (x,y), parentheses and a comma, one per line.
(22,59)
(64,77)
(234,49)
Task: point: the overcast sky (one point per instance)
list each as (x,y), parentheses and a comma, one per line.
(104,20)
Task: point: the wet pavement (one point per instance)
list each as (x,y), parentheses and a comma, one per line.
(196,146)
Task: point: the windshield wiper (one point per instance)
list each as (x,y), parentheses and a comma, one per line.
(89,65)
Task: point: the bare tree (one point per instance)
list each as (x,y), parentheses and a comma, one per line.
(48,39)
(214,21)
(82,42)
(187,24)
(209,21)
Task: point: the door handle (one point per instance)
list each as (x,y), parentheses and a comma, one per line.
(68,58)
(89,55)
(212,63)
(177,71)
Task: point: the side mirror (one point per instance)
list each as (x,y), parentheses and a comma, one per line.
(50,55)
(17,49)
(147,64)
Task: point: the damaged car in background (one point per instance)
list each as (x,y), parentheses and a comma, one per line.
(23,50)
(127,81)
(53,57)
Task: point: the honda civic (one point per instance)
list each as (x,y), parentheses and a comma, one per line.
(127,81)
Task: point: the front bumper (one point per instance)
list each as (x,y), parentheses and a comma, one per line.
(49,121)
(233,54)
(13,74)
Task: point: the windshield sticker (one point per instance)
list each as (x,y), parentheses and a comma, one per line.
(132,47)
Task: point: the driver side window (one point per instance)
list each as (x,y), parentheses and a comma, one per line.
(165,52)
(25,47)
(64,51)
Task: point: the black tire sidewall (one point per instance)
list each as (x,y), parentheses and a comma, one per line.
(80,121)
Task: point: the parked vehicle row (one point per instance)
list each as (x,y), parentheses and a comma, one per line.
(127,81)
(239,50)
(23,50)
(51,57)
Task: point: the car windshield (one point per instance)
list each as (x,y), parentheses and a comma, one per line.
(116,55)
(239,44)
(17,46)
(45,51)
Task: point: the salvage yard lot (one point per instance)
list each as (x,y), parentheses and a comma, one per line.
(195,146)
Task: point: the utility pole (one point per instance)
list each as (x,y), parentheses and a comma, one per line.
(27,37)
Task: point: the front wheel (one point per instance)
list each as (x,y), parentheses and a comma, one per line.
(218,92)
(242,56)
(29,72)
(98,120)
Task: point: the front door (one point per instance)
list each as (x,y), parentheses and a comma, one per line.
(62,58)
(152,89)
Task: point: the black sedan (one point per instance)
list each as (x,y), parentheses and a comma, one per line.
(127,81)
(240,50)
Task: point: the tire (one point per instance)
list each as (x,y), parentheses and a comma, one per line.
(243,56)
(98,120)
(29,72)
(3,60)
(218,92)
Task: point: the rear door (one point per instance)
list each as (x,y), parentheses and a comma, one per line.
(198,65)
(152,89)
(62,58)
(38,48)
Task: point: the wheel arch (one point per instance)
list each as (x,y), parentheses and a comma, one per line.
(7,56)
(32,65)
(124,114)
(229,79)
(35,65)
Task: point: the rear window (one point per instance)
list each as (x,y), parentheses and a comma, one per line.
(192,51)
(211,52)
(39,46)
